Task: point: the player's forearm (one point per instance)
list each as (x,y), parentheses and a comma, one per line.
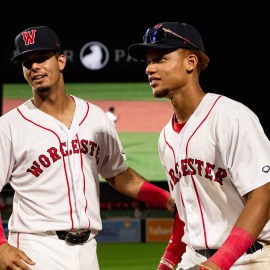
(246,230)
(135,186)
(127,183)
(175,248)
(256,212)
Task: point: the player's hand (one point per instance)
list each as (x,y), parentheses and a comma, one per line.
(170,204)
(11,258)
(209,265)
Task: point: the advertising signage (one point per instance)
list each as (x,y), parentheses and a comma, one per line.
(88,61)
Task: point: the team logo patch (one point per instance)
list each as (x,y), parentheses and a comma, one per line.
(29,37)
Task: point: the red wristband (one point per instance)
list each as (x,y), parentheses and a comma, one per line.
(165,265)
(175,247)
(153,194)
(237,243)
(3,239)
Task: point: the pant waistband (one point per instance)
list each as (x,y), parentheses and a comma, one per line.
(210,252)
(74,237)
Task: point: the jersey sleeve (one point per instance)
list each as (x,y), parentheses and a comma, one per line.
(114,161)
(247,152)
(6,157)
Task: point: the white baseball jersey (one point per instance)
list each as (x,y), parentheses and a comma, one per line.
(54,170)
(220,154)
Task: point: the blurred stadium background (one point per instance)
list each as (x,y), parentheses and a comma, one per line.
(134,234)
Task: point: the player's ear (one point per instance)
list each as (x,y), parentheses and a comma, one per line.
(191,62)
(61,61)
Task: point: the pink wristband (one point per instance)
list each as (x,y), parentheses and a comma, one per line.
(237,243)
(3,239)
(153,194)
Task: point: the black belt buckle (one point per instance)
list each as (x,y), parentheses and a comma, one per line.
(207,252)
(74,238)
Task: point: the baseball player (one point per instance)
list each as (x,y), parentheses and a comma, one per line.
(111,114)
(52,150)
(216,157)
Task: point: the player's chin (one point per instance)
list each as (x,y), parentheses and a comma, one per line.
(41,88)
(159,93)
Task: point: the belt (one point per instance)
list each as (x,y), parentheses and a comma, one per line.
(210,252)
(74,237)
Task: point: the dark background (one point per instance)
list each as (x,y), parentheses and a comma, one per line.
(235,38)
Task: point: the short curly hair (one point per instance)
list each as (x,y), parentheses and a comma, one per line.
(203,59)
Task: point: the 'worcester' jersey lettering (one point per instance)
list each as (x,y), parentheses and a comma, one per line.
(193,166)
(209,167)
(54,154)
(56,170)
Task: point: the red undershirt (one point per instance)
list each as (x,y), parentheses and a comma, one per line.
(176,126)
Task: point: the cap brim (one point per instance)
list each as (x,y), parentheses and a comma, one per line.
(138,50)
(19,56)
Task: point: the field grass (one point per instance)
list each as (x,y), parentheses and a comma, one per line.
(130,256)
(142,152)
(92,91)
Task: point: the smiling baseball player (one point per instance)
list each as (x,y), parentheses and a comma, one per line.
(52,150)
(216,157)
